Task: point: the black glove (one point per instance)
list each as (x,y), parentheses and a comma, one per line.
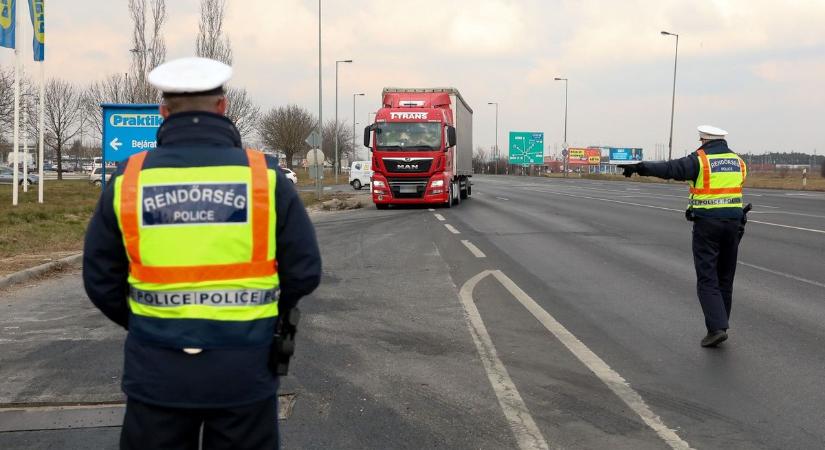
(629,169)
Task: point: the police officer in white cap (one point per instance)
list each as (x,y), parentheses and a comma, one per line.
(716,175)
(201,249)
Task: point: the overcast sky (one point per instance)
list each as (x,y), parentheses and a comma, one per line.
(753,67)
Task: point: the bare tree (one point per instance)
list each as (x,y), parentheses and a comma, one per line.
(345,150)
(6,96)
(62,114)
(112,89)
(210,43)
(285,128)
(149,50)
(242,112)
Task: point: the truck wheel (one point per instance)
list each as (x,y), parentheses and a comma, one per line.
(449,203)
(457,191)
(381,206)
(356,184)
(465,192)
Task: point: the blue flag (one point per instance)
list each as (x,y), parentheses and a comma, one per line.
(37,11)
(7,16)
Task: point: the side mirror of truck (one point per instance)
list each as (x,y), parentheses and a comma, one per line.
(367,130)
(451,139)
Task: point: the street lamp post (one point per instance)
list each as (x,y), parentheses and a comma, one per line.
(336,116)
(496,146)
(564,146)
(353,121)
(673,100)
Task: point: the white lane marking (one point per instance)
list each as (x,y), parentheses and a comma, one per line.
(783,274)
(766,206)
(609,377)
(812,230)
(440,217)
(473,249)
(670,209)
(503,198)
(524,428)
(452,228)
(431,210)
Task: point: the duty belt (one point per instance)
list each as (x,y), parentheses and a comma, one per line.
(243,297)
(716,201)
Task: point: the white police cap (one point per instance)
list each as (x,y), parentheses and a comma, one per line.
(190,76)
(710,132)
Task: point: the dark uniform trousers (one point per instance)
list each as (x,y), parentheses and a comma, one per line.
(715,245)
(149,427)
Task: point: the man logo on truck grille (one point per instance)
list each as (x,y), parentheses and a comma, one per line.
(407,167)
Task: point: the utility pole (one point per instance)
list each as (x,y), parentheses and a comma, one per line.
(319,173)
(564,146)
(336,117)
(496,146)
(353,124)
(673,100)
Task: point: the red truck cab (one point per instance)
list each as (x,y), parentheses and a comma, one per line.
(419,154)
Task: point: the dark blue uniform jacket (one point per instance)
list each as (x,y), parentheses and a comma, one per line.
(214,378)
(687,169)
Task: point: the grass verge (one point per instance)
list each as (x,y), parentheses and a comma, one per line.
(34,233)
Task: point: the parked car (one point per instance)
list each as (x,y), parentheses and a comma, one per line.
(7,176)
(290,175)
(359,174)
(97,175)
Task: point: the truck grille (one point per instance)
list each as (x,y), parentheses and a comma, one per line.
(408,187)
(408,165)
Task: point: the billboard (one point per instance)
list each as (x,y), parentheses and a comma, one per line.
(584,156)
(625,155)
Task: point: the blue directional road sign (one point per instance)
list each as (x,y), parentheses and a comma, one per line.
(129,129)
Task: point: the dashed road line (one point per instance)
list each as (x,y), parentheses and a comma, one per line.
(439,217)
(452,228)
(812,230)
(503,198)
(783,274)
(431,210)
(609,377)
(473,249)
(524,428)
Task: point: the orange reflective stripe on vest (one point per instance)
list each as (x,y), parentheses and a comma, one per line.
(706,189)
(258,266)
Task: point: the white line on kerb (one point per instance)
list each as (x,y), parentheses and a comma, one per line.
(473,249)
(452,228)
(439,217)
(609,377)
(524,428)
(783,274)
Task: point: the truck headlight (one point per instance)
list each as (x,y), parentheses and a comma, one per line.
(437,183)
(378,184)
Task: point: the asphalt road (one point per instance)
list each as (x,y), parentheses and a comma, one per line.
(550,313)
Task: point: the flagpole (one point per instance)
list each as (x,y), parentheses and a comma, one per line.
(40,130)
(16,138)
(25,149)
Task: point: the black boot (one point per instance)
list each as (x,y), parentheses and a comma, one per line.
(714,338)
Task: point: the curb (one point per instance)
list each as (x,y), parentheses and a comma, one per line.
(28,274)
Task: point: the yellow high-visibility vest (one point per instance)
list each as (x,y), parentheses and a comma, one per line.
(201,249)
(720,180)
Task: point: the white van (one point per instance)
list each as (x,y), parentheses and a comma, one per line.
(360,173)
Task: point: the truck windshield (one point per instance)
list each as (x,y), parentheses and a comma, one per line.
(408,136)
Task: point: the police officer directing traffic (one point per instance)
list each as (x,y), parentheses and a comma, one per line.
(716,175)
(198,248)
